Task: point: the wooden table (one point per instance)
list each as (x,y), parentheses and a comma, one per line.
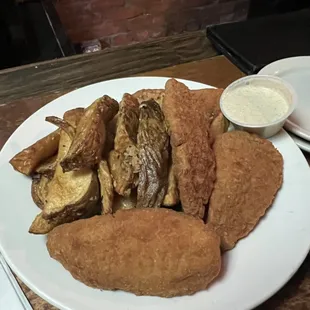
(23,94)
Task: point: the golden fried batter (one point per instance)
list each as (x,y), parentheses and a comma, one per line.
(248,176)
(144,251)
(208,100)
(193,158)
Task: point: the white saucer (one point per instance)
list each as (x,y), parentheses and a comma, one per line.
(302,144)
(296,71)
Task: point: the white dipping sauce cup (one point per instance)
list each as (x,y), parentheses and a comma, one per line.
(269,129)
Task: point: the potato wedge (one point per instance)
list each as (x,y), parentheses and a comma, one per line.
(87,145)
(47,168)
(28,159)
(73,194)
(39,190)
(123,160)
(172,197)
(41,226)
(106,187)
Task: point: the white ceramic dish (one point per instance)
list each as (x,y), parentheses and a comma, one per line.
(302,143)
(259,266)
(260,81)
(296,71)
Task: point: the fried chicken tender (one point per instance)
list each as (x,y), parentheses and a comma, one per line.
(208,100)
(248,176)
(144,251)
(193,158)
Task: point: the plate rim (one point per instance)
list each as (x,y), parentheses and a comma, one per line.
(289,62)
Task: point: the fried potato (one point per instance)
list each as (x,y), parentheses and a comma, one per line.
(172,197)
(123,160)
(106,187)
(47,168)
(39,189)
(87,146)
(40,226)
(153,143)
(28,159)
(71,195)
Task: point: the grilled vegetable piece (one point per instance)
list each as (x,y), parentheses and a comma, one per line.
(73,194)
(47,168)
(106,187)
(123,160)
(172,196)
(28,159)
(153,141)
(87,145)
(39,189)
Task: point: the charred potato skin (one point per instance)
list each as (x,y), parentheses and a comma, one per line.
(87,146)
(28,159)
(106,187)
(153,146)
(87,205)
(39,188)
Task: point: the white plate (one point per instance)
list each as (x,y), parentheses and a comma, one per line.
(302,144)
(252,272)
(296,71)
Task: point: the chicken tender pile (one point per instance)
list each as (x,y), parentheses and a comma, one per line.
(145,194)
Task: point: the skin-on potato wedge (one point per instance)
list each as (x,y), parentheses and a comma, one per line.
(73,194)
(106,187)
(41,226)
(39,190)
(123,160)
(172,197)
(28,159)
(153,146)
(62,124)
(47,168)
(87,145)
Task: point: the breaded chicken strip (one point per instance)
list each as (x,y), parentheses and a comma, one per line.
(249,173)
(208,100)
(144,251)
(193,158)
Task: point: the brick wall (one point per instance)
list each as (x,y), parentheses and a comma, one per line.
(121,22)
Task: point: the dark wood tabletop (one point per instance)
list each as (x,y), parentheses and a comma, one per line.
(25,89)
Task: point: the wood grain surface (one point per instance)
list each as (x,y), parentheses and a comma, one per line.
(80,70)
(216,71)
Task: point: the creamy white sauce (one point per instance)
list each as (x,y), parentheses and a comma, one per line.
(254,104)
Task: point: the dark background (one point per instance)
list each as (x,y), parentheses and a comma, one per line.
(32,31)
